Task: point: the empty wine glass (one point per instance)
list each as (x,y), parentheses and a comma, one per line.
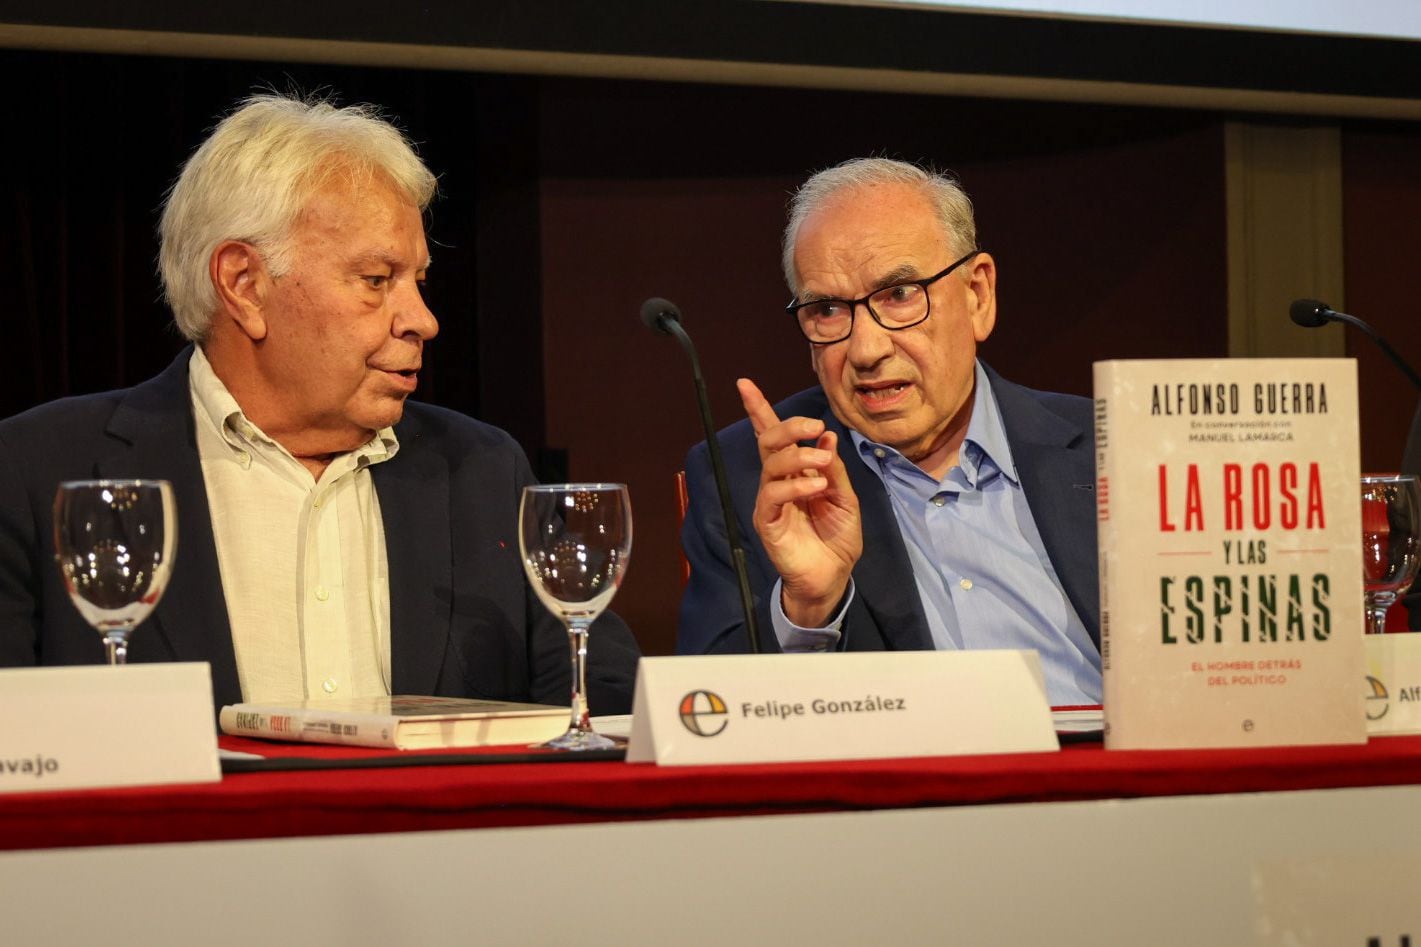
(1391,531)
(114,541)
(575,539)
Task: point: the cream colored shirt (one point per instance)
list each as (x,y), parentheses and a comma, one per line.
(302,560)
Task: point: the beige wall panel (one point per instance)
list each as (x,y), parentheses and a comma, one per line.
(1284,191)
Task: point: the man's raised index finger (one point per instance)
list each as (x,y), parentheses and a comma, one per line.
(762,416)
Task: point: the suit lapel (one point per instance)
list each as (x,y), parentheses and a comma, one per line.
(155,438)
(883,578)
(1056,463)
(413,488)
(1055,460)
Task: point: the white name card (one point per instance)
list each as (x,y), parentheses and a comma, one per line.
(788,707)
(79,727)
(1393,683)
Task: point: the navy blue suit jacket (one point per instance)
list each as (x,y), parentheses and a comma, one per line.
(463,620)
(1052,442)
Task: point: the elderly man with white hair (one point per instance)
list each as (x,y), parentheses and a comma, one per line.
(336,539)
(914,499)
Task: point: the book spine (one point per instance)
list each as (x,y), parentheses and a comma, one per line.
(308,726)
(1104,389)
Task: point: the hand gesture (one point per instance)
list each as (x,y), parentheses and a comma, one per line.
(806,513)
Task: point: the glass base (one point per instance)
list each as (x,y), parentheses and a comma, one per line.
(581,740)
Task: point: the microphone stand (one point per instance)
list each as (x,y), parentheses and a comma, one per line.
(668,321)
(1311,313)
(1391,353)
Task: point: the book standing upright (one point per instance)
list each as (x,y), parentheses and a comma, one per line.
(1230,552)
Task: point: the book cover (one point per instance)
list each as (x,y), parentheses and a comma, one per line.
(1229,514)
(400,722)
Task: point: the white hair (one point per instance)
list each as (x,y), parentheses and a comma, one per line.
(253,175)
(954,207)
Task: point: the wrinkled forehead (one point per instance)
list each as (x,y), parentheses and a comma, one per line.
(863,234)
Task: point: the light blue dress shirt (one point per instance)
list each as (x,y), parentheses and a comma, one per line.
(981,569)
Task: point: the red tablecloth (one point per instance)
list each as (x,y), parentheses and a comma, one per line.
(345,801)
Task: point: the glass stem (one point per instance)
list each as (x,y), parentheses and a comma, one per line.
(1377,605)
(118,647)
(577,641)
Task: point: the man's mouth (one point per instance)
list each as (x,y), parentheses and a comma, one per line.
(407,377)
(882,393)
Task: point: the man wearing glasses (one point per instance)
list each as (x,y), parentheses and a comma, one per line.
(915,499)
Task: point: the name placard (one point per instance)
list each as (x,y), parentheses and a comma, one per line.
(1393,683)
(81,727)
(794,707)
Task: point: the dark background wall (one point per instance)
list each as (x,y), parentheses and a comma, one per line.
(566,202)
(1381,193)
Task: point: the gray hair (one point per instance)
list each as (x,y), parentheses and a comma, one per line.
(954,207)
(253,175)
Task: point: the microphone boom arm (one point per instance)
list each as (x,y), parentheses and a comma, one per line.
(672,326)
(1381,344)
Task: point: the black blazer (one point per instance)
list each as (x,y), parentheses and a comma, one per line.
(463,620)
(1053,444)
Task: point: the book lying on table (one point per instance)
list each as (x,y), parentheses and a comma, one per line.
(1083,718)
(399,723)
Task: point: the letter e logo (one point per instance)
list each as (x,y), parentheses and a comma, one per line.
(703,713)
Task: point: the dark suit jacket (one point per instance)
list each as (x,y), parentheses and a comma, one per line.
(1052,442)
(463,620)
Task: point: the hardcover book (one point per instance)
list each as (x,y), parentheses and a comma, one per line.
(400,723)
(1229,515)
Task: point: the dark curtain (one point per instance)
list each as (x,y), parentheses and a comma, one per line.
(91,144)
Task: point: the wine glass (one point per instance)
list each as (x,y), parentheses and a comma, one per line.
(114,541)
(575,539)
(1391,534)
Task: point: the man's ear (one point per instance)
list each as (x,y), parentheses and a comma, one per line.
(240,276)
(982,295)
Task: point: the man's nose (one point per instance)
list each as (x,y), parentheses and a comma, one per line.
(413,317)
(868,342)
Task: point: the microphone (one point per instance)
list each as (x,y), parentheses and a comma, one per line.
(657,313)
(663,316)
(1311,313)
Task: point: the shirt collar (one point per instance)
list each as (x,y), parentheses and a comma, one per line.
(985,448)
(213,402)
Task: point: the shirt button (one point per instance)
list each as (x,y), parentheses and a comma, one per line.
(329,685)
(316,503)
(939,501)
(880,453)
(966,584)
(322,593)
(244,459)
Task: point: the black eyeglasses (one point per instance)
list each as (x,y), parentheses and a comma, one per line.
(900,306)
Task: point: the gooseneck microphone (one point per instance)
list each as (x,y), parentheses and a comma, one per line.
(663,316)
(1311,313)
